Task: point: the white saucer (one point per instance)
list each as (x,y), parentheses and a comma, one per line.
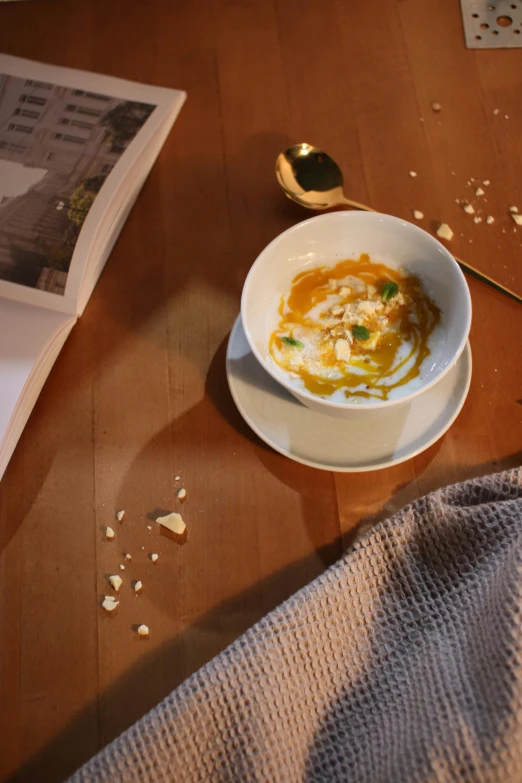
(362,442)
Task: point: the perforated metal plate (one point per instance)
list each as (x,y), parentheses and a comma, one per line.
(490,24)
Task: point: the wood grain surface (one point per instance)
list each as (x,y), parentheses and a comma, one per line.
(139,394)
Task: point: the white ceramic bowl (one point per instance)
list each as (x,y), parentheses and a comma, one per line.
(327,239)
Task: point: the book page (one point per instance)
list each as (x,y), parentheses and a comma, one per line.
(30,339)
(68,140)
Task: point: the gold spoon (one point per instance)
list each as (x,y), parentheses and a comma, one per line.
(313,179)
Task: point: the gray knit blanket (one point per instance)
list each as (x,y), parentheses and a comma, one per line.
(402,662)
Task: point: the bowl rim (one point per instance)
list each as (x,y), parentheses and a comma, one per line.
(364,216)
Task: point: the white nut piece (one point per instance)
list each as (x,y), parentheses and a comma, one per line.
(109,603)
(115,582)
(479,192)
(490,219)
(445,232)
(468,208)
(417,214)
(513,208)
(120,515)
(154,557)
(138,586)
(182,493)
(517,219)
(173,522)
(109,533)
(143,630)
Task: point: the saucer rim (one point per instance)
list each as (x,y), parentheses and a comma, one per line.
(464,358)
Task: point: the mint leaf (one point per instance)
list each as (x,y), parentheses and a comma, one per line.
(389,290)
(361,332)
(292,341)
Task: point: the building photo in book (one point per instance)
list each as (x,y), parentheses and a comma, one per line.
(57,147)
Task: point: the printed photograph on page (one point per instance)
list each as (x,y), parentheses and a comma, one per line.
(57,147)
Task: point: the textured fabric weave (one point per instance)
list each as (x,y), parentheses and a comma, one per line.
(402,662)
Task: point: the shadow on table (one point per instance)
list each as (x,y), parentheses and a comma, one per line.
(65,753)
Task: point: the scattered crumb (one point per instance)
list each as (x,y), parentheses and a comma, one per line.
(477,219)
(181,493)
(149,527)
(138,586)
(154,557)
(122,567)
(115,582)
(436,106)
(496,111)
(177,478)
(417,214)
(485,182)
(109,533)
(490,219)
(120,515)
(506,116)
(517,219)
(445,232)
(513,209)
(412,173)
(143,547)
(173,522)
(143,630)
(128,557)
(110,603)
(479,192)
(468,208)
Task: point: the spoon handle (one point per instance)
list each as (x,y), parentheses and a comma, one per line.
(487,280)
(356,205)
(463,264)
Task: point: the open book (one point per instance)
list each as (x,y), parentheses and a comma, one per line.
(75,149)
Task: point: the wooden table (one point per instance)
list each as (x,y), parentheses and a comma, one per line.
(139,393)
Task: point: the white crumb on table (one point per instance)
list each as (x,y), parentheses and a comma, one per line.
(485,182)
(122,567)
(115,582)
(173,522)
(496,111)
(120,515)
(109,533)
(154,557)
(517,219)
(412,173)
(149,527)
(138,586)
(479,192)
(513,208)
(490,219)
(477,219)
(468,208)
(109,603)
(177,478)
(417,214)
(181,493)
(436,106)
(445,232)
(128,557)
(506,116)
(143,630)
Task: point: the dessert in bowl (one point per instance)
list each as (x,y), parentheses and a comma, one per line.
(353,310)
